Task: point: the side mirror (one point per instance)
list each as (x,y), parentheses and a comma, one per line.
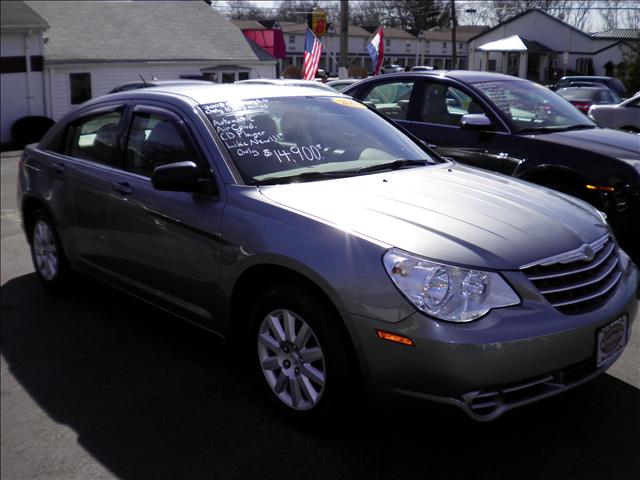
(475,121)
(177,177)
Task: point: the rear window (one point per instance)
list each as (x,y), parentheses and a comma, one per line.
(578,94)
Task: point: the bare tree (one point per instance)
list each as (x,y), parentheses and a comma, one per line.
(409,14)
(631,17)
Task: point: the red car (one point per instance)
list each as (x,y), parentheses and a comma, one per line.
(583,97)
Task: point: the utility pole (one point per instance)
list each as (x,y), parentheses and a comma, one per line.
(453,35)
(344,39)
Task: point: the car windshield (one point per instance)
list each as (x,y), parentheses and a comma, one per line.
(531,107)
(280,140)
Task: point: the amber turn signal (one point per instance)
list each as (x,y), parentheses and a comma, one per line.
(598,187)
(393,337)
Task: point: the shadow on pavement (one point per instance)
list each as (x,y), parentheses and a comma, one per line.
(151,396)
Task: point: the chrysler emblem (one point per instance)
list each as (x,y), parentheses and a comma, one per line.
(588,253)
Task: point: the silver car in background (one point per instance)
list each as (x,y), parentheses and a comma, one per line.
(338,249)
(624,116)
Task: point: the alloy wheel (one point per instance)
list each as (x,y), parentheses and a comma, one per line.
(45,250)
(291,359)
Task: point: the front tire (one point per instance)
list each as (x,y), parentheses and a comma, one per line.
(46,252)
(303,360)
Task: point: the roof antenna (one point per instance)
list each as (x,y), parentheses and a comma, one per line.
(143,80)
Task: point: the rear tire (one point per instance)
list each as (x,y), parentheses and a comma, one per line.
(302,361)
(47,254)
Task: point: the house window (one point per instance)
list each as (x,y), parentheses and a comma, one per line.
(408,44)
(228,77)
(243,75)
(426,44)
(444,45)
(292,38)
(491,65)
(387,42)
(460,45)
(80,87)
(447,64)
(584,66)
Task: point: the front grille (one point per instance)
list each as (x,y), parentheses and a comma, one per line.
(578,286)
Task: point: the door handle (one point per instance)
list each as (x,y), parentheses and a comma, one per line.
(59,167)
(122,187)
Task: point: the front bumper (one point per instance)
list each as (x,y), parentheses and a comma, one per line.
(511,357)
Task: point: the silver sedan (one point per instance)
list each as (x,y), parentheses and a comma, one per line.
(339,250)
(624,116)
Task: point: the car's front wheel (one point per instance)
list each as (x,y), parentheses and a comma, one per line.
(302,354)
(46,252)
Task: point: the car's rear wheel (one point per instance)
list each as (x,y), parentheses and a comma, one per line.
(302,354)
(46,252)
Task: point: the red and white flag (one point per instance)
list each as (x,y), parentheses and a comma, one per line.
(312,52)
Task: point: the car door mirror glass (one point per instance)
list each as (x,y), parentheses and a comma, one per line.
(475,121)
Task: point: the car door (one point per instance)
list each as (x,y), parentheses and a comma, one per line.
(392,97)
(164,242)
(84,163)
(439,107)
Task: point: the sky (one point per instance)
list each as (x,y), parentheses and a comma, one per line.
(594,25)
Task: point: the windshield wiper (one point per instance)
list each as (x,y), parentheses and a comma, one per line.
(394,165)
(300,177)
(555,129)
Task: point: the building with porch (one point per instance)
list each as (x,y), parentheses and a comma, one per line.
(540,47)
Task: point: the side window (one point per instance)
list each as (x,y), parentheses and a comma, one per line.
(153,141)
(446,105)
(95,138)
(391,98)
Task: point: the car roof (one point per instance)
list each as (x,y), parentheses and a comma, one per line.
(600,77)
(285,81)
(468,76)
(587,89)
(205,94)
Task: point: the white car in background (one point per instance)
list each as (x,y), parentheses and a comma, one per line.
(624,116)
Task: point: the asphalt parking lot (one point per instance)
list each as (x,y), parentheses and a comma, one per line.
(96,385)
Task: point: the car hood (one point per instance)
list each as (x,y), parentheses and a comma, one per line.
(612,143)
(450,213)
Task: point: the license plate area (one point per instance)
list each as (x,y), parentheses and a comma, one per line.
(610,339)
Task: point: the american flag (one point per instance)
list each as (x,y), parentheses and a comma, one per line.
(312,52)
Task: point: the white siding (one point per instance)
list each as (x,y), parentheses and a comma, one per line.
(17,98)
(105,77)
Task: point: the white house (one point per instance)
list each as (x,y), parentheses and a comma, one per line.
(91,47)
(21,65)
(435,46)
(537,45)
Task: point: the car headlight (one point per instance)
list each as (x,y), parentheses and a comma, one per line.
(449,293)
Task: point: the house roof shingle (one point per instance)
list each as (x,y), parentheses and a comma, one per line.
(618,34)
(248,25)
(463,33)
(109,31)
(17,15)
